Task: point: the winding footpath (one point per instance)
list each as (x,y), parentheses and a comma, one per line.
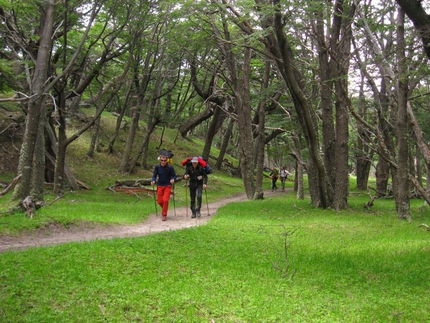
(177,219)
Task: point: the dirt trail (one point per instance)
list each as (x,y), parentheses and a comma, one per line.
(57,235)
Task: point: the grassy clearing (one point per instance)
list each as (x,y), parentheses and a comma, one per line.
(101,206)
(275,260)
(349,266)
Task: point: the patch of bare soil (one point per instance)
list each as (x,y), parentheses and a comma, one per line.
(176,219)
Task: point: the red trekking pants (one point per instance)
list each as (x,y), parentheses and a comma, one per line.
(163,197)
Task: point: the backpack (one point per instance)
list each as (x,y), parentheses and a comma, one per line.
(203,162)
(169,154)
(208,167)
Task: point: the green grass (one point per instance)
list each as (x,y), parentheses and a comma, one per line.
(349,266)
(274,260)
(101,206)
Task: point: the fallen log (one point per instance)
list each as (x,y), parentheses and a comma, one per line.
(132,190)
(10,186)
(135,186)
(134,182)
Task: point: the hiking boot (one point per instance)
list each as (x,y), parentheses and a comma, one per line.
(164,217)
(193,215)
(198,214)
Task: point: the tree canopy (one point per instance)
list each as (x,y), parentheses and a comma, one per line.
(326,88)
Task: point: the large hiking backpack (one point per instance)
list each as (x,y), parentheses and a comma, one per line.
(169,154)
(208,167)
(203,162)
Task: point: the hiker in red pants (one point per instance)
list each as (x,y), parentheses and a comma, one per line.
(166,178)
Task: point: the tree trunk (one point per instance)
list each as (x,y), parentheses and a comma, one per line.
(218,118)
(94,139)
(119,120)
(427,180)
(298,171)
(226,139)
(101,106)
(417,169)
(364,155)
(124,166)
(415,11)
(243,108)
(420,139)
(382,174)
(260,139)
(23,188)
(240,84)
(95,136)
(39,162)
(326,69)
(319,185)
(193,122)
(386,131)
(342,50)
(141,86)
(143,149)
(60,154)
(63,142)
(340,200)
(402,193)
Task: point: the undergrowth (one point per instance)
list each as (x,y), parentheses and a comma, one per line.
(349,266)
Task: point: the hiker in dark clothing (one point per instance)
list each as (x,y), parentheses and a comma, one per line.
(198,180)
(274,176)
(166,178)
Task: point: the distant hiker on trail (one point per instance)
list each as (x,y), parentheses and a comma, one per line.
(198,180)
(166,178)
(274,176)
(284,174)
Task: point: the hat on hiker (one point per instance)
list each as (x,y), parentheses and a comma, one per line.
(195,160)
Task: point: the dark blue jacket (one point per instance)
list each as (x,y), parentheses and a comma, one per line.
(164,173)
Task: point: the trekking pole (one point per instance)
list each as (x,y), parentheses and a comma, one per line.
(174,204)
(186,198)
(207,205)
(155,202)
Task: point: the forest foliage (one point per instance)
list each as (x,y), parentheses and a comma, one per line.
(327,88)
